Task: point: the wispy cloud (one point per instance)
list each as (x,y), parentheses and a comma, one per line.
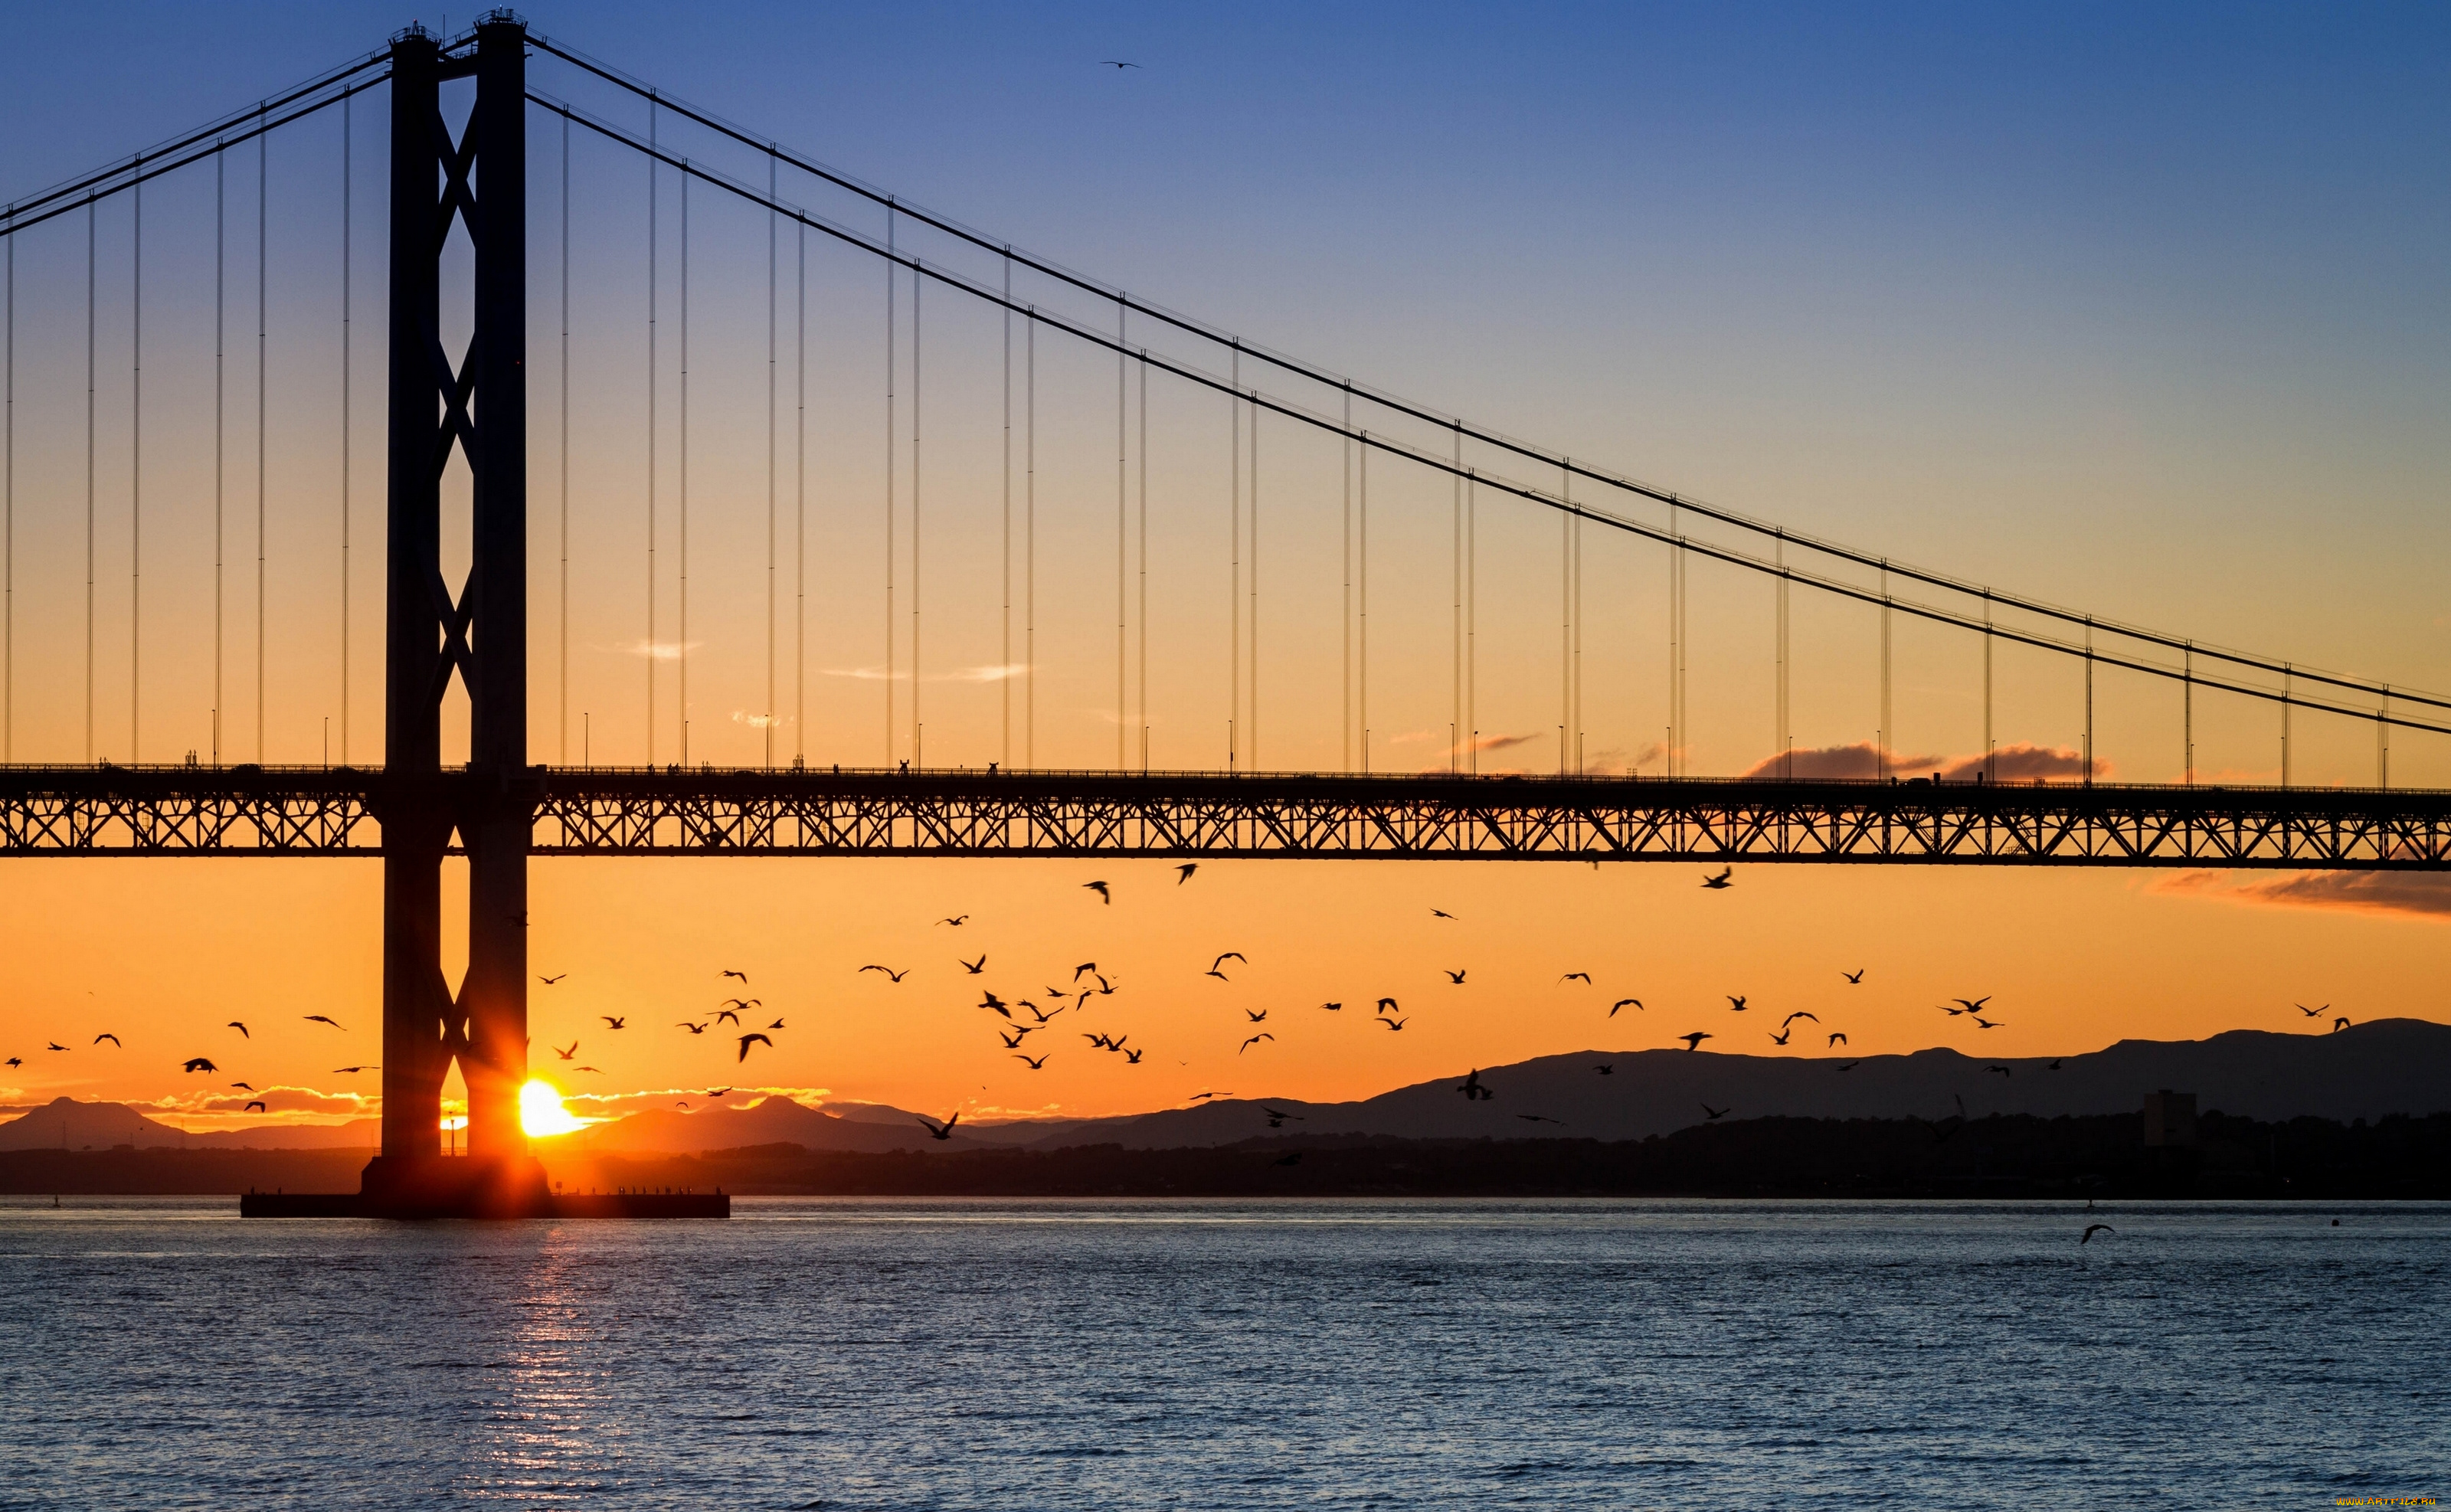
(997,672)
(1863,760)
(657,650)
(2420,894)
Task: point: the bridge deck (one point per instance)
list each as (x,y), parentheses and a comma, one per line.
(252,811)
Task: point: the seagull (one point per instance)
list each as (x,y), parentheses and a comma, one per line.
(1392,1023)
(695,1028)
(1980,1022)
(956,921)
(1099,888)
(1386,1003)
(1260,1017)
(50,1046)
(1606,1069)
(742,975)
(1853,978)
(1035,1014)
(13,1062)
(718,1092)
(723,1013)
(571,1054)
(613,1023)
(744,1002)
(2091,1229)
(1132,1057)
(2056,1064)
(199,1064)
(241,1027)
(1710,1114)
(1584,977)
(598,1069)
(1736,1004)
(1229,955)
(1720,883)
(2314,1013)
(1851,1066)
(1694,1041)
(1975,1004)
(1106,988)
(1084,969)
(778,1024)
(1204,1096)
(245,1086)
(352,1070)
(1182,872)
(747,1040)
(1109,63)
(1951,1011)
(974,968)
(891,973)
(936,1130)
(1624,1002)
(680,1105)
(1457,977)
(1836,1040)
(1471,1087)
(1277,1117)
(1440,913)
(2002,1070)
(1535,1118)
(1215,972)
(255,1106)
(318,1018)
(1254,1040)
(1781,1038)
(1333,1008)
(2339,1024)
(550,980)
(1793,1017)
(1101,1041)
(114,1039)
(1013,1041)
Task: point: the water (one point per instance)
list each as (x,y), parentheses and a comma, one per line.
(1020,1355)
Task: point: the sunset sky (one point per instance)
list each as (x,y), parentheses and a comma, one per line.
(2139,314)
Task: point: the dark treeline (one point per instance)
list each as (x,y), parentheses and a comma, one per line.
(2003,1157)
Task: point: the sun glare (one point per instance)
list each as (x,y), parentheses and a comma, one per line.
(542,1114)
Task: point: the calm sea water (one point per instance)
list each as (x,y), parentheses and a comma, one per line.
(1018,1355)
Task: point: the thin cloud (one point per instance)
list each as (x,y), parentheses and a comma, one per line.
(2408,894)
(997,672)
(657,650)
(1864,760)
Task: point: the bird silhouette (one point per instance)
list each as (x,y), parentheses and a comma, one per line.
(244,1086)
(1980,1022)
(1277,1117)
(1798,1013)
(747,1040)
(741,976)
(1036,1064)
(2314,1013)
(318,1018)
(241,1027)
(1836,1040)
(13,1062)
(1084,969)
(1215,972)
(198,1063)
(778,1024)
(1099,888)
(1260,1017)
(1975,1005)
(1229,955)
(114,1038)
(1182,872)
(1712,1115)
(1013,1041)
(1109,63)
(571,1054)
(2054,1064)
(936,1130)
(1333,1008)
(614,1023)
(1851,1066)
(1853,978)
(1951,1011)
(1735,1003)
(722,1014)
(1254,1040)
(2339,1024)
(718,1092)
(2002,1070)
(1781,1038)
(1624,1002)
(1101,1041)
(1457,977)
(1106,988)
(1535,1118)
(974,968)
(255,1106)
(695,1028)
(1036,1015)
(2091,1229)
(1584,977)
(1605,1069)
(1386,1003)
(1440,913)
(1471,1087)
(1392,1023)
(1200,1098)
(1132,1057)
(352,1070)
(956,921)
(551,980)
(1694,1041)
(598,1069)
(49,1045)
(744,1002)
(1719,882)
(891,973)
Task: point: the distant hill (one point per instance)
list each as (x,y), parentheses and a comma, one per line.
(2390,1065)
(63,1122)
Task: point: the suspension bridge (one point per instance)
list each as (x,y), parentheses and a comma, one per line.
(478,673)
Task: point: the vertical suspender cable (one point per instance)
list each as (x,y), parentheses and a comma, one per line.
(889,482)
(88,477)
(2285,726)
(1783,741)
(800,518)
(9,526)
(1455,610)
(136,470)
(220,430)
(2088,703)
(1991,761)
(1566,633)
(1234,554)
(2187,715)
(681,500)
(1887,745)
(1569,497)
(348,226)
(653,249)
(1361,657)
(1345,618)
(1004,674)
(773,339)
(1251,746)
(1144,568)
(561,678)
(263,308)
(1122,376)
(1472,616)
(1676,639)
(917,284)
(1029,537)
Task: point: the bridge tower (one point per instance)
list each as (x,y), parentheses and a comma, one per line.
(478,405)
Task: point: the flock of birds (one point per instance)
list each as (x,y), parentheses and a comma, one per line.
(1023,1016)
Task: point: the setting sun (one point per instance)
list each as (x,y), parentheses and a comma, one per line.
(542,1114)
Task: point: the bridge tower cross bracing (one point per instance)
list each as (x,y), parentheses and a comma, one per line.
(478,405)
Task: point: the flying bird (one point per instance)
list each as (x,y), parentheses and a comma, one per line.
(1182,872)
(1106,988)
(114,1039)
(718,1092)
(974,968)
(255,1106)
(1457,977)
(598,1069)
(1781,1038)
(1084,969)
(1109,63)
(1853,978)
(695,1028)
(318,1018)
(613,1023)
(744,1002)
(1277,1117)
(1584,977)
(244,1086)
(571,1054)
(1013,1041)
(891,973)
(1975,1005)
(48,1045)
(1836,1040)
(722,1014)
(1980,1022)
(2314,1013)
(1035,1014)
(1254,1040)
(747,1040)
(1710,1114)
(741,976)
(1719,882)
(1606,1069)
(1798,1013)
(1694,1041)
(2056,1064)
(1229,955)
(1851,1066)
(1624,1002)
(1440,913)
(1392,1023)
(1260,1017)
(1471,1087)
(13,1062)
(2339,1024)
(352,1070)
(956,921)
(1197,1097)
(2091,1229)
(199,1064)
(936,1130)
(1735,1003)
(1099,888)
(1034,1064)
(1535,1118)
(2002,1070)
(778,1024)
(550,980)
(1132,1057)
(1333,1008)
(241,1027)
(1386,1003)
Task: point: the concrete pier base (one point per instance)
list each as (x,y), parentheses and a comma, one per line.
(449,1186)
